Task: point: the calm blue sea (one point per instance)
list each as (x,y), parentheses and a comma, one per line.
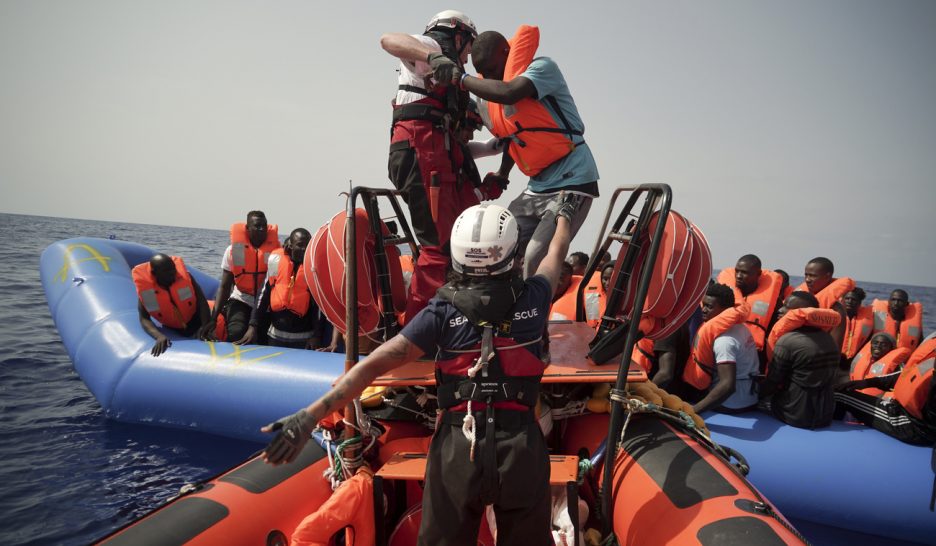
(69,475)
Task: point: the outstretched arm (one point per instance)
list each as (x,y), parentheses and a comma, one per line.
(551,266)
(405,47)
(499,91)
(294,430)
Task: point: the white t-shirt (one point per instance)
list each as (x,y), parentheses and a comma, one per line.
(236,294)
(736,345)
(414,72)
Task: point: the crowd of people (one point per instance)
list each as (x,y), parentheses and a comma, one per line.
(487,278)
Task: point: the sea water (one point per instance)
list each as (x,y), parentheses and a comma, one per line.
(69,475)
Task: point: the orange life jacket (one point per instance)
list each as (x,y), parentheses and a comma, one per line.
(915,381)
(907,331)
(536,140)
(173,308)
(857,331)
(763,301)
(564,307)
(700,368)
(831,293)
(594,300)
(863,368)
(643,354)
(249,264)
(826,319)
(351,505)
(288,285)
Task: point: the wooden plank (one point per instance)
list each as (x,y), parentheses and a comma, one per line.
(412,466)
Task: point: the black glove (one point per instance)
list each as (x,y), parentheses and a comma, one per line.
(443,69)
(292,435)
(494,185)
(566,205)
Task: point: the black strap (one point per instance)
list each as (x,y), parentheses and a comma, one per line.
(414,89)
(455,391)
(505,418)
(415,111)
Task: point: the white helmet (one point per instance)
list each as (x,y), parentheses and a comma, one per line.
(484,240)
(454,19)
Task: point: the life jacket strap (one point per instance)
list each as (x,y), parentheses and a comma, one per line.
(524,391)
(419,112)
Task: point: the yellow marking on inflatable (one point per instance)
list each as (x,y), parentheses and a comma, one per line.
(236,354)
(68,257)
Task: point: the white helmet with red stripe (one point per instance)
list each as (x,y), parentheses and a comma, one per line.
(484,240)
(452,19)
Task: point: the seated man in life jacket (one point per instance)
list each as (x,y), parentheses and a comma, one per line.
(529,103)
(907,408)
(899,318)
(736,361)
(859,323)
(285,300)
(170,295)
(827,289)
(579,261)
(798,386)
(486,322)
(243,272)
(880,356)
(761,289)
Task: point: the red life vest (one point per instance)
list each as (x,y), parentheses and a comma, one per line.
(173,308)
(826,319)
(857,331)
(249,264)
(907,332)
(700,368)
(536,140)
(288,285)
(914,384)
(831,293)
(642,354)
(763,301)
(564,307)
(863,368)
(513,365)
(351,506)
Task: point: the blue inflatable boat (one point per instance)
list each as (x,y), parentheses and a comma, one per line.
(843,477)
(214,387)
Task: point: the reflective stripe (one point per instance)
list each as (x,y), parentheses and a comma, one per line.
(185,293)
(288,336)
(877,368)
(913,331)
(880,320)
(150,301)
(865,330)
(592,302)
(273,266)
(925,366)
(238,254)
(854,363)
(760,308)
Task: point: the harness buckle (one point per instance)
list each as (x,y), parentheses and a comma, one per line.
(469,396)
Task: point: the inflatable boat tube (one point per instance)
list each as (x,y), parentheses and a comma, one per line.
(847,476)
(214,387)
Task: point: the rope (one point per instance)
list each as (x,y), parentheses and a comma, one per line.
(584,467)
(469,426)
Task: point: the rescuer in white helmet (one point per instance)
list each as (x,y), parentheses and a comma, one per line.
(485,322)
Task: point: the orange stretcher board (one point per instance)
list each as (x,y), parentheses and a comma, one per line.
(568,345)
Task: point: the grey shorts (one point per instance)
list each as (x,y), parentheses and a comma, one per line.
(537,225)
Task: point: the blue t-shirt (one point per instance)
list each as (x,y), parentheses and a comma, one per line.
(737,345)
(440,325)
(579,166)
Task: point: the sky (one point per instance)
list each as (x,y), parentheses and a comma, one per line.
(789,129)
